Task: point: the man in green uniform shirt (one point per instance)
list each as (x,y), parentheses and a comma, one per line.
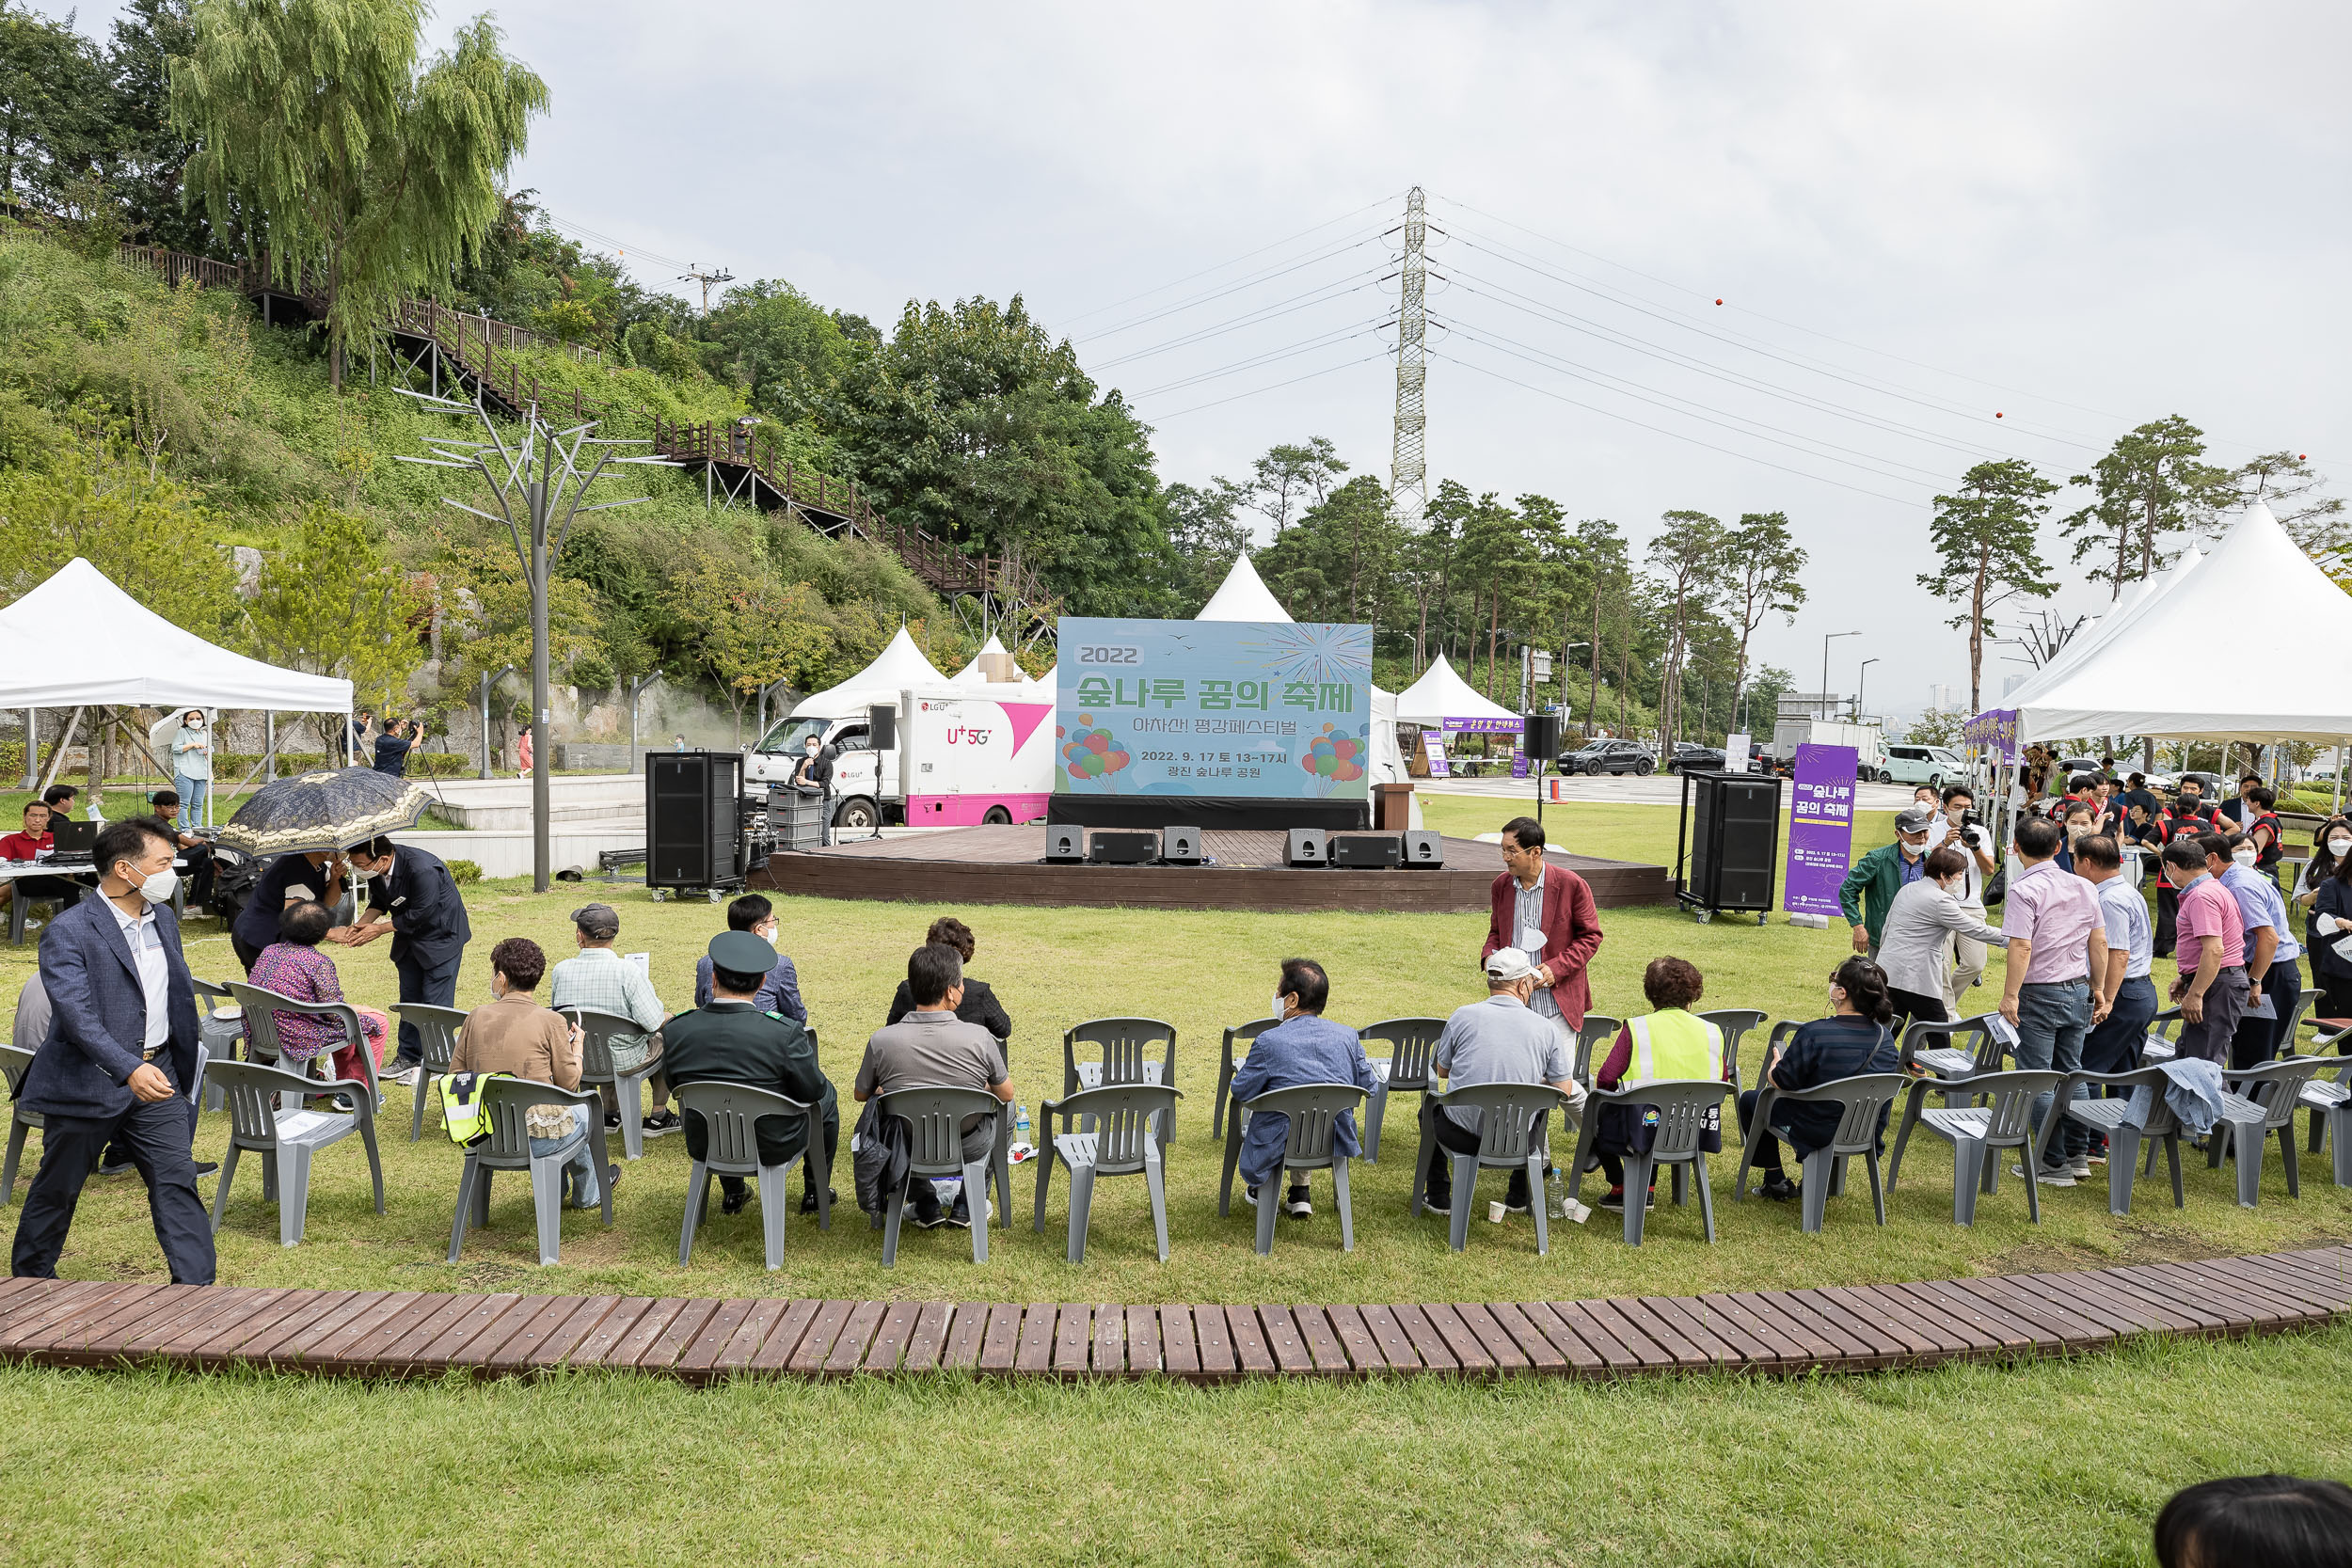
(730,1041)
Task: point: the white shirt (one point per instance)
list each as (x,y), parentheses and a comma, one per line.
(145,939)
(1527,915)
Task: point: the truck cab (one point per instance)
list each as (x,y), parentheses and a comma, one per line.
(862,779)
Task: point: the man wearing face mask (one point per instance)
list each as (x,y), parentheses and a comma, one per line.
(2272,954)
(814,776)
(412,896)
(780,993)
(2185,820)
(119,1057)
(1975,842)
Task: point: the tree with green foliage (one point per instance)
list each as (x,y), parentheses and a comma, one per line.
(2286,482)
(53,105)
(150,155)
(1339,562)
(2152,485)
(1207,535)
(1687,555)
(768,339)
(357,174)
(1290,479)
(149,536)
(756,631)
(330,603)
(1987,543)
(1765,563)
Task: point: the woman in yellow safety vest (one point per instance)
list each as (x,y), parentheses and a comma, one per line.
(1669,1042)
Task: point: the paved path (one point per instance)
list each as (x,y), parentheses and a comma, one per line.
(1658,789)
(1835,1329)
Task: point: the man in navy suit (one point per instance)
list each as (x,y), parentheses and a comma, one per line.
(412,895)
(119,1054)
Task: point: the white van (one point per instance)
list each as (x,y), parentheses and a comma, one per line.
(1923,765)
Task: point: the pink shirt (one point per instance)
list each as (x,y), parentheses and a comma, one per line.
(2209,909)
(2056,912)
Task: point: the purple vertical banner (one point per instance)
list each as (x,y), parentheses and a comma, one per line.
(1821,829)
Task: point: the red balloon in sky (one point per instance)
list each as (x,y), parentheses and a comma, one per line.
(1719,302)
(1996,413)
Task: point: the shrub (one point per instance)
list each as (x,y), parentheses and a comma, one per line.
(462,872)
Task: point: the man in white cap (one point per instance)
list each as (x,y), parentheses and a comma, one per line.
(1499,1041)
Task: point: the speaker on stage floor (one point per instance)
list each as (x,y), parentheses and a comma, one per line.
(1368,852)
(1306,846)
(1110,848)
(1065,846)
(1180,846)
(1424,849)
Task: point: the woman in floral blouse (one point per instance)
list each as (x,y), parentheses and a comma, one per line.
(293,966)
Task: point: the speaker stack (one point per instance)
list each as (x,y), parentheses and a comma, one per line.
(1180,846)
(1306,846)
(1110,849)
(692,821)
(1065,846)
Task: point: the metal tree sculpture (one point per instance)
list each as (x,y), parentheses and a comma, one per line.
(537,484)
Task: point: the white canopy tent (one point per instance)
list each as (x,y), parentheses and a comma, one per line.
(78,641)
(1440,695)
(2163,669)
(896,668)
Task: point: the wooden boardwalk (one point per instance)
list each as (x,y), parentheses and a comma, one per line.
(1835,1329)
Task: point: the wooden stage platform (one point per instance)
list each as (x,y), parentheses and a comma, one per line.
(1006,866)
(1777,1333)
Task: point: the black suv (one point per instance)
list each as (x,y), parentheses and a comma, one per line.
(1689,754)
(1609,757)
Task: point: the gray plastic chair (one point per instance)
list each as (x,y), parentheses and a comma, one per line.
(1865,1099)
(1314,1111)
(1241,1034)
(2261,1100)
(934,1115)
(221,1035)
(1599,1030)
(1412,1042)
(2330,1105)
(1735,1022)
(2112,1117)
(2161,1043)
(1117,1143)
(1978,1133)
(261,1008)
(1683,1106)
(1121,1052)
(266,1117)
(1514,1134)
(731,1114)
(14,1062)
(1952,1052)
(507,1147)
(437,1029)
(597,1030)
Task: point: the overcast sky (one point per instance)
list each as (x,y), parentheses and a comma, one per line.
(2078,217)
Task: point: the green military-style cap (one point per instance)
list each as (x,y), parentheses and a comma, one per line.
(742,951)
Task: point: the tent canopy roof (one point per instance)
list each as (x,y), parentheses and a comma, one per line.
(2165,669)
(896,668)
(78,638)
(1243,596)
(1440,694)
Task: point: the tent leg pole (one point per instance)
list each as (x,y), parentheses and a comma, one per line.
(32,747)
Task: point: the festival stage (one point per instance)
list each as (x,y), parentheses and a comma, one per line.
(1007,865)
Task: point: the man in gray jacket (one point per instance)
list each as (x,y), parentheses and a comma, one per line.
(1916,948)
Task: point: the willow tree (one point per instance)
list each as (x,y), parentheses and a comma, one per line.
(361,177)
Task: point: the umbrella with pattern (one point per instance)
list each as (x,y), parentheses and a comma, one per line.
(330,809)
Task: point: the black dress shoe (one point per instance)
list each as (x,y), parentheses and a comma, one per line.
(735,1201)
(206,1167)
(808,1200)
(121,1168)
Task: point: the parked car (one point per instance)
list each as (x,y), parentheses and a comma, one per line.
(1690,754)
(2071,767)
(1923,764)
(1609,757)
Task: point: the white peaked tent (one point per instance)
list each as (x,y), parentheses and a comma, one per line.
(78,638)
(896,668)
(2138,602)
(1440,694)
(2171,668)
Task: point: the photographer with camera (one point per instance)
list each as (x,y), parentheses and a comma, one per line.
(1964,831)
(392,747)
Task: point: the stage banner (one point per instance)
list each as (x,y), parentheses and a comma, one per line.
(1992,734)
(1259,709)
(1821,829)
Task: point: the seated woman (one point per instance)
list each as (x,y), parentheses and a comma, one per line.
(1916,948)
(979,1004)
(513,1033)
(1667,1043)
(1855,1038)
(293,966)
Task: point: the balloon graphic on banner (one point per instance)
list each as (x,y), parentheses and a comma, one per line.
(1334,757)
(1091,754)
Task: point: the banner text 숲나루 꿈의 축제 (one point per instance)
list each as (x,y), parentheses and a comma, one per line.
(1821,829)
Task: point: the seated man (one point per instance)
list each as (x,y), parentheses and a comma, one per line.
(1854,1040)
(1305,1048)
(514,1034)
(602,981)
(30,843)
(196,852)
(932,1046)
(780,989)
(1495,1041)
(730,1039)
(1668,1044)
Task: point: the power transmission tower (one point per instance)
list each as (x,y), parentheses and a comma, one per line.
(693,274)
(1408,475)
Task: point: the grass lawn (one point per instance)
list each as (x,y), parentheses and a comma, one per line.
(2047,1463)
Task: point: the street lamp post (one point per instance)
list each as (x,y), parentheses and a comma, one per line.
(1825,642)
(636,690)
(1860,676)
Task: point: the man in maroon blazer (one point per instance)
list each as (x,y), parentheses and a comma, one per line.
(1548,913)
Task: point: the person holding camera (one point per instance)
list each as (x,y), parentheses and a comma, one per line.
(1966,833)
(393,746)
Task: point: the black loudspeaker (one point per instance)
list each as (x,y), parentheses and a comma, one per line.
(882,726)
(1065,846)
(1735,826)
(1368,852)
(1424,849)
(1307,846)
(1542,738)
(1106,848)
(691,818)
(1180,846)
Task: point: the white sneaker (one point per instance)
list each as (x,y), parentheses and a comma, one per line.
(406,1077)
(2080,1167)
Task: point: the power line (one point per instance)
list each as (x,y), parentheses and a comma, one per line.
(1264,276)
(1329,369)
(1235,261)
(1321,294)
(1338,335)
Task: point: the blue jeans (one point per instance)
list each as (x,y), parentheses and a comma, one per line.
(192,794)
(2053,1019)
(582,1176)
